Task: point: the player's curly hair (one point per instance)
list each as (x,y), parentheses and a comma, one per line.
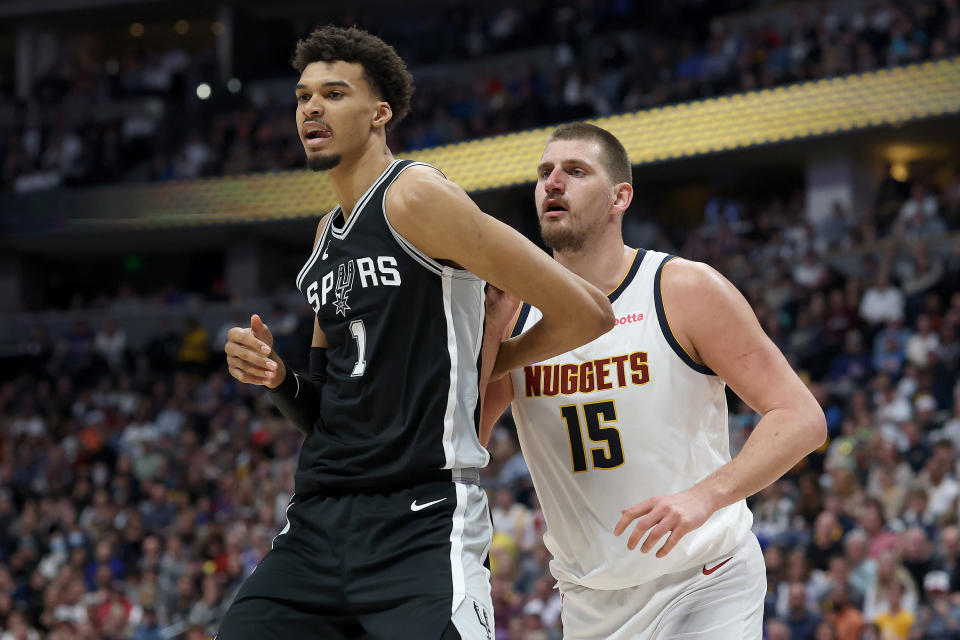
(383,69)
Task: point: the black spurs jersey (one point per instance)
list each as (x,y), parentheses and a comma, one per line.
(401,402)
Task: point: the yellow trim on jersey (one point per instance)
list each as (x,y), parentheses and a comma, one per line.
(636,252)
(516,321)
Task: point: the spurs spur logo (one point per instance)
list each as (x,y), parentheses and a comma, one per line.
(344,285)
(335,285)
(482,617)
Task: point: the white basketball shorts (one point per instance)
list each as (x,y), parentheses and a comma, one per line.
(722,600)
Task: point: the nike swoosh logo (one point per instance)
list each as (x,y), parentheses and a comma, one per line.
(707,572)
(417,507)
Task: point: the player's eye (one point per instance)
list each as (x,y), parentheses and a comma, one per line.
(303,97)
(578,173)
(335,95)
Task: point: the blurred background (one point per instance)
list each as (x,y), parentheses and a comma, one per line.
(152,195)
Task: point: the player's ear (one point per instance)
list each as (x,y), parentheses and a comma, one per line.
(622,196)
(382,115)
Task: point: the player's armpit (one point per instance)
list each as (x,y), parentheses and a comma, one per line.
(441,220)
(716,326)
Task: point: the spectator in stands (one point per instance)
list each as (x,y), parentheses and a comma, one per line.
(826,542)
(195,347)
(810,271)
(917,555)
(799,619)
(893,586)
(924,274)
(940,619)
(923,345)
(824,631)
(938,482)
(851,368)
(111,344)
(894,619)
(863,569)
(844,618)
(777,630)
(545,602)
(882,302)
(873,524)
(513,518)
(919,216)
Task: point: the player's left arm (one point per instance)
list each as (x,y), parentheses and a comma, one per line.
(717,327)
(439,218)
(502,311)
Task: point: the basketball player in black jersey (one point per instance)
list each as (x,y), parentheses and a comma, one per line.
(387,532)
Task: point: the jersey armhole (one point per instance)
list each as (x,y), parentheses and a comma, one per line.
(665,329)
(521,320)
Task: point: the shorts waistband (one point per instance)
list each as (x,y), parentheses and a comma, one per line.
(467,475)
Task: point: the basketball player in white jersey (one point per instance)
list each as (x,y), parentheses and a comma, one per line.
(626,437)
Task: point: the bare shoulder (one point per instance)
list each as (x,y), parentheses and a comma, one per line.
(435,215)
(689,280)
(415,190)
(320,225)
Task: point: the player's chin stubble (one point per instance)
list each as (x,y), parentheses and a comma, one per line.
(323,163)
(563,239)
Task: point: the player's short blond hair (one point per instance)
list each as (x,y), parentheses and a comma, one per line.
(613,155)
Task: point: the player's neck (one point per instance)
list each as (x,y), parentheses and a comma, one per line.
(352,177)
(604,264)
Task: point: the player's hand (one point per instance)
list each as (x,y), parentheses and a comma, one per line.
(677,514)
(250,355)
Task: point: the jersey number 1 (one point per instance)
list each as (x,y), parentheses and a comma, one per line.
(360,335)
(608,457)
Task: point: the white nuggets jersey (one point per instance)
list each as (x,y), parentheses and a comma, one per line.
(621,419)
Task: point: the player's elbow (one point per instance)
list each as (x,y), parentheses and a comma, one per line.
(815,426)
(601,315)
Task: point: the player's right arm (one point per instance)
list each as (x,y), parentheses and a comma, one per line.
(441,220)
(252,359)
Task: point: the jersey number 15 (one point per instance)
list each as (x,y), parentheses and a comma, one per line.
(604,457)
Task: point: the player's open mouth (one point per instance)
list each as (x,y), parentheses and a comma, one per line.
(553,209)
(315,135)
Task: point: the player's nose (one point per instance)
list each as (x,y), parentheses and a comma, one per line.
(312,107)
(554,182)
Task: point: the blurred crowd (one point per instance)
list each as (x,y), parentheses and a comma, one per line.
(130,114)
(141,485)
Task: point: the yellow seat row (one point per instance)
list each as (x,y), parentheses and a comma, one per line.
(884,97)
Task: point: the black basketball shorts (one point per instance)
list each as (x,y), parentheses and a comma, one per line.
(407,564)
